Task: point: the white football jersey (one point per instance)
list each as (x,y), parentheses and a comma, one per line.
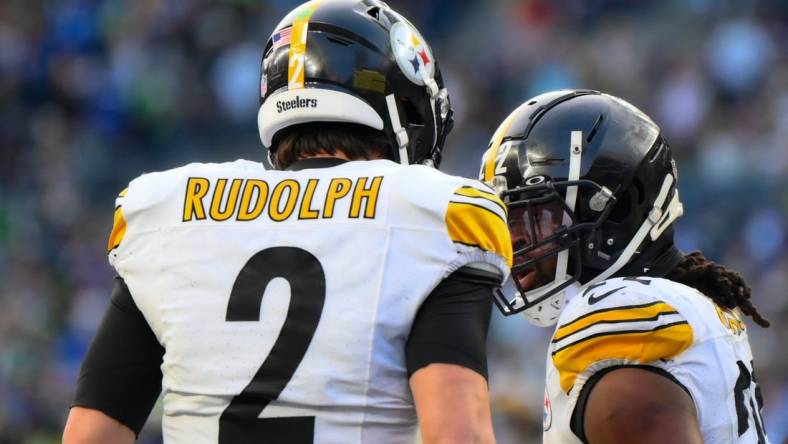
(664,324)
(284,299)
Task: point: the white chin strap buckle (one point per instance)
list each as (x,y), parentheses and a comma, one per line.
(431,84)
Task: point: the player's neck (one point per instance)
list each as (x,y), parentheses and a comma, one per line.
(337,155)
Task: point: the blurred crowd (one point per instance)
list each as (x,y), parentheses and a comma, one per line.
(96,92)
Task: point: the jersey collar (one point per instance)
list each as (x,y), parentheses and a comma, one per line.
(315,162)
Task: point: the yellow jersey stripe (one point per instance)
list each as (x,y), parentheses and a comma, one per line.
(297,53)
(481,207)
(477,193)
(620,307)
(478,226)
(663,342)
(118,230)
(648,312)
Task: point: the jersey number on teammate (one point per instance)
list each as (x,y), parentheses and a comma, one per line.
(745,380)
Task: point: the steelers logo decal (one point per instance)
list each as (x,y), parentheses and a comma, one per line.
(547,419)
(413,55)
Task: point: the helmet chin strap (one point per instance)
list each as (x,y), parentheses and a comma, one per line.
(396,125)
(432,87)
(401,133)
(655,224)
(435,92)
(546,312)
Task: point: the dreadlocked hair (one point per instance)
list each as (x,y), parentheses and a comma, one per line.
(722,285)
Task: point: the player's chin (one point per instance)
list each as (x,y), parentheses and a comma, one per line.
(541,274)
(532,279)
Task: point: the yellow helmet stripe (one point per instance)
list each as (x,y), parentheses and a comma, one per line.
(495,145)
(663,342)
(297,53)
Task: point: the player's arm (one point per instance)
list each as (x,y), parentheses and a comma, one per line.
(120,378)
(453,405)
(638,404)
(88,426)
(447,363)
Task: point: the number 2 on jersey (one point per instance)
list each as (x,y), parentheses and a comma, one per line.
(239,422)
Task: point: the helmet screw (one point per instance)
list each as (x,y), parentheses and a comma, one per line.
(610,241)
(590,245)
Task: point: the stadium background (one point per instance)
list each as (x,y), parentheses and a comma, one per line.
(93,93)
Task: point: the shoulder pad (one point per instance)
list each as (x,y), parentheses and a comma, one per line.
(476,217)
(619,320)
(136,206)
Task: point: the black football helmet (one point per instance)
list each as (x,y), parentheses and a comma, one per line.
(590,184)
(359,62)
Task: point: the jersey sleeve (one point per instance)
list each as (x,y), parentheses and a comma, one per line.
(476,224)
(141,208)
(124,349)
(618,322)
(451,325)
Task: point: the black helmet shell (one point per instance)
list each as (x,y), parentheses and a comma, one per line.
(353,73)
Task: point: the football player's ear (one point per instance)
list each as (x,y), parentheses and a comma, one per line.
(633,404)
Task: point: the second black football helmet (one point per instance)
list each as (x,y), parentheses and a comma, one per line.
(590,185)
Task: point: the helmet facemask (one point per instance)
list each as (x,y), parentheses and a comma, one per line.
(546,235)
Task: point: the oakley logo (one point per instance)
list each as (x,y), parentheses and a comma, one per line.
(298,102)
(593,299)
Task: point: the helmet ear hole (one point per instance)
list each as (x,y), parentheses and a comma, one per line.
(411,113)
(632,199)
(641,193)
(623,207)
